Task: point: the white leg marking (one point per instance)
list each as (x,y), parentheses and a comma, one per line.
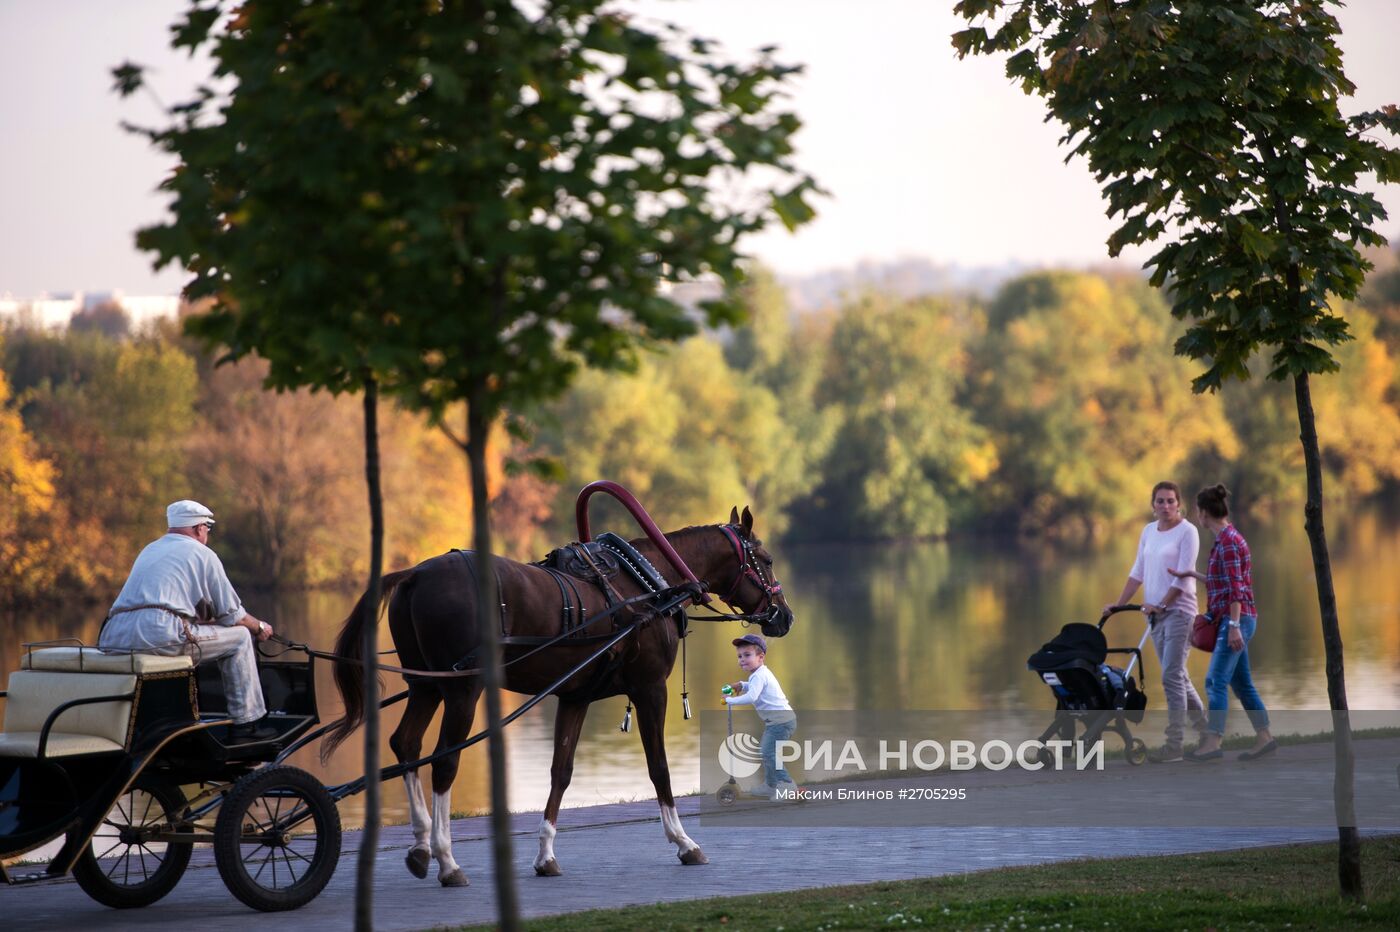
(547,833)
(671,824)
(442,833)
(417,811)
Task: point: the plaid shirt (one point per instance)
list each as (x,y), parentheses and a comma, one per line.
(1227,575)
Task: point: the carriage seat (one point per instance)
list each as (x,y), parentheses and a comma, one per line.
(92,660)
(52,676)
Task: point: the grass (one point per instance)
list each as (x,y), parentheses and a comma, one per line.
(1292,886)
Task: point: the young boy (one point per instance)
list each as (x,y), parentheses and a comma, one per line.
(766,696)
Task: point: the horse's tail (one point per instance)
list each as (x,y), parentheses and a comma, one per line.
(349,671)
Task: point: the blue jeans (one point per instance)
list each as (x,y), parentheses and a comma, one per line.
(772,734)
(1229,669)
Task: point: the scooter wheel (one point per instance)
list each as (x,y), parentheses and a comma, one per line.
(726,795)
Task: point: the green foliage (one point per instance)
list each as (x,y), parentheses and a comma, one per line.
(1358,425)
(1381,296)
(117,416)
(1051,410)
(686,434)
(905,456)
(289,493)
(108,319)
(788,359)
(1215,123)
(468,198)
(29,558)
(1076,380)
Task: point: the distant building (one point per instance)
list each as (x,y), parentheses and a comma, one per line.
(54,312)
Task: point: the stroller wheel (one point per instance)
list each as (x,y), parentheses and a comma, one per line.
(1136,752)
(726,795)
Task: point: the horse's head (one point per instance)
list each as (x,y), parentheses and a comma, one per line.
(754,590)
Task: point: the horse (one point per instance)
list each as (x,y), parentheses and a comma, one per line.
(433,621)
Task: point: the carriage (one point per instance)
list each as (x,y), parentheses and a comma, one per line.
(130,758)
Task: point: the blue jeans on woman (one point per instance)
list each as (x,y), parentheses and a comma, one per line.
(1229,669)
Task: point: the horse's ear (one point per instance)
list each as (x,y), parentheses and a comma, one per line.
(748,520)
(734,515)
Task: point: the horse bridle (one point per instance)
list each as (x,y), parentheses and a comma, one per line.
(752,569)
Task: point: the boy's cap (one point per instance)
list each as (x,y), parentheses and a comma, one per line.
(755,639)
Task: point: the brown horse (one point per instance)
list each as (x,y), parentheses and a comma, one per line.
(433,620)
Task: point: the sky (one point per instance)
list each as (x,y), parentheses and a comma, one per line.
(924,156)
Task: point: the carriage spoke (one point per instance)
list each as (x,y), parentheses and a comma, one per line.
(287,863)
(115,845)
(301,856)
(278,865)
(263,867)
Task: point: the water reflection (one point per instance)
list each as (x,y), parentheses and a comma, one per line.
(907,626)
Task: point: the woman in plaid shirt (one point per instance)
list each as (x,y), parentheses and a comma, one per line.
(1229,596)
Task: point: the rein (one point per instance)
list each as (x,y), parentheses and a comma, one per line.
(752,570)
(679,594)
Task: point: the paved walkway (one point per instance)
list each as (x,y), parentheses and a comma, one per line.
(617,855)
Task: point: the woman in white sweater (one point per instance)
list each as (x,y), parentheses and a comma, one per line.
(1169,543)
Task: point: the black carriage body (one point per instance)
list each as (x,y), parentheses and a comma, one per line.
(207,755)
(43,798)
(177,734)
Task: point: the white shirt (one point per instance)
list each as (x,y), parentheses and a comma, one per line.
(1176,548)
(174,578)
(761,690)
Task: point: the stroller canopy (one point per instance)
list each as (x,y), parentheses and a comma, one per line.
(1076,641)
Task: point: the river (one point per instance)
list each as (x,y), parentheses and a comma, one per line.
(901,626)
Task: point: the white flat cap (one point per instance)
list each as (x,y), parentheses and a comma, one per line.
(187,513)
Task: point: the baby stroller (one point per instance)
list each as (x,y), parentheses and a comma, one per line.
(1087,690)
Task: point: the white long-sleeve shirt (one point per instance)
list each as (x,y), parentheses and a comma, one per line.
(174,578)
(1176,548)
(761,690)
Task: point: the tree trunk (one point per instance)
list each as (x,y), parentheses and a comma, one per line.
(489,617)
(1348,839)
(369,840)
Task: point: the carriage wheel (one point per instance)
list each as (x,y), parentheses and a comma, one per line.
(1136,752)
(122,866)
(277,838)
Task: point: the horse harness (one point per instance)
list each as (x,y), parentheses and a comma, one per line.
(595,562)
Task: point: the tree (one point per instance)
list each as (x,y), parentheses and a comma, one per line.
(904,448)
(788,358)
(109,415)
(273,465)
(1217,124)
(107,318)
(465,202)
(277,222)
(1357,423)
(644,433)
(28,560)
(1075,379)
